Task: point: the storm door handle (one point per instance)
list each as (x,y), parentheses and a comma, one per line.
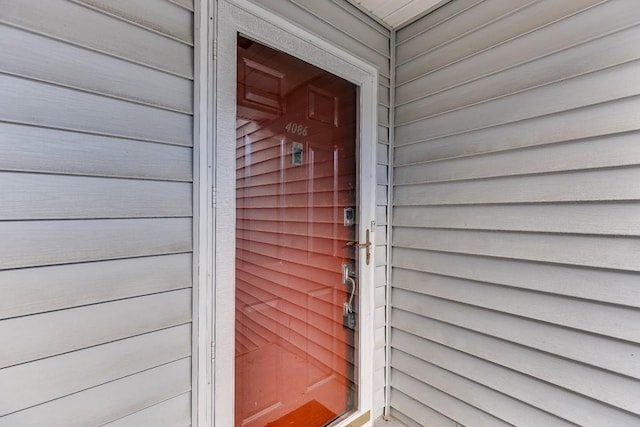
(366,245)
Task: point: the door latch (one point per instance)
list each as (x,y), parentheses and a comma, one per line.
(366,245)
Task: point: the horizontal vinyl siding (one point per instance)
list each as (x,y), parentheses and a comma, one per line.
(341,24)
(515,296)
(96,118)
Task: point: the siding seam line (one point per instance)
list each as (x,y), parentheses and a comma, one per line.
(75,43)
(134,23)
(362,42)
(479,27)
(519,64)
(533,30)
(438,6)
(181,5)
(94,133)
(146,407)
(495,125)
(94,92)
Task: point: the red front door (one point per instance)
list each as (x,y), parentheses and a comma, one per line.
(296,209)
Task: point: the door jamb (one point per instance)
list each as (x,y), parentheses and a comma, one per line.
(252,20)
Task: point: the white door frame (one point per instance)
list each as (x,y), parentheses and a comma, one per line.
(203,218)
(261,25)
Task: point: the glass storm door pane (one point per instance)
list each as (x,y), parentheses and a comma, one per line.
(296,210)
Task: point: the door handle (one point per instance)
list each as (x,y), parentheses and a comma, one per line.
(366,245)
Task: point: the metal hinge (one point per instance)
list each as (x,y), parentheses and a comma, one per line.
(213,197)
(215,49)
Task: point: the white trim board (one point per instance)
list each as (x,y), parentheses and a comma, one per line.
(203,220)
(236,16)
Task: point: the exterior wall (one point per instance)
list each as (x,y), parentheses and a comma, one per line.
(348,28)
(515,275)
(96,118)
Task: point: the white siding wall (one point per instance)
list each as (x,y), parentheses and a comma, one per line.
(343,25)
(95,212)
(516,273)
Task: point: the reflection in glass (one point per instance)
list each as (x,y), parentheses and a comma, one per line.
(296,182)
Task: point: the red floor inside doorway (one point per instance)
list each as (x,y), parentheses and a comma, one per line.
(311,414)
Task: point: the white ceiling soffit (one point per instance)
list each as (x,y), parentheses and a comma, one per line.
(396,12)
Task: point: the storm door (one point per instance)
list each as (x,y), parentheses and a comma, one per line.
(296,220)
